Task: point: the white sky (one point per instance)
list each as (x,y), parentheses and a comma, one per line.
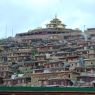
(22,15)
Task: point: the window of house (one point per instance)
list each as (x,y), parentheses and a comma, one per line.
(91,62)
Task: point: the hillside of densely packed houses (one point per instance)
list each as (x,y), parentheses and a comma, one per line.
(51,56)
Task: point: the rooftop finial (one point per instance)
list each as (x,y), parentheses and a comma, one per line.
(55,15)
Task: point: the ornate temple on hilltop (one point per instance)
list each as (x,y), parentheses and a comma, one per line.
(54,30)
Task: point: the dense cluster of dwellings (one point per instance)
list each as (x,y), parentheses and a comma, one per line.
(51,56)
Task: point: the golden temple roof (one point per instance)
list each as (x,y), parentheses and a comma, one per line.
(55,23)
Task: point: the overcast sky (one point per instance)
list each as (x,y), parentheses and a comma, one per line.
(21,15)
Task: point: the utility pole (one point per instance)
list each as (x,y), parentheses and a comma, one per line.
(12,31)
(84,28)
(6,31)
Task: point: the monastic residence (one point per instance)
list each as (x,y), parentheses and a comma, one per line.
(51,56)
(90,33)
(53,78)
(17,80)
(19,55)
(44,48)
(5,70)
